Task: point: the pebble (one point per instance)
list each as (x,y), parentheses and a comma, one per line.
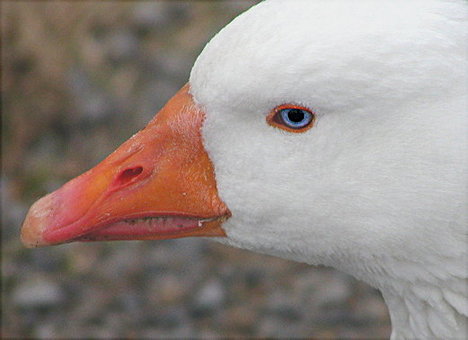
(46,330)
(171,289)
(210,296)
(334,290)
(37,292)
(151,15)
(13,210)
(92,102)
(370,307)
(122,46)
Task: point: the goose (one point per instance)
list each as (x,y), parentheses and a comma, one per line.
(326,132)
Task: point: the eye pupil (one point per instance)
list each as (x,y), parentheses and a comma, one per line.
(296,118)
(296,115)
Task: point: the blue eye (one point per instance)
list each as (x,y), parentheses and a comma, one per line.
(291,118)
(295,118)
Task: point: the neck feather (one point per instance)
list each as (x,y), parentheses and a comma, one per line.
(422,310)
(425,300)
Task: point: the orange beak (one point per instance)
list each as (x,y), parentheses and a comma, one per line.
(159,184)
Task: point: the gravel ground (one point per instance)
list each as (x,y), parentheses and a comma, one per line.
(78,78)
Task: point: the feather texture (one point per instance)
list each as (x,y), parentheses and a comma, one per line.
(378,187)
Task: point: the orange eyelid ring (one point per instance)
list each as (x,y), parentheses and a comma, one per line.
(274,118)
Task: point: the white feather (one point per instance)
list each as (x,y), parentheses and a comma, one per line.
(378,187)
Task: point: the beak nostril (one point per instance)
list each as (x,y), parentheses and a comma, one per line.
(128,175)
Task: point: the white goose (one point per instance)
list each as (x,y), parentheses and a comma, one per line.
(326,132)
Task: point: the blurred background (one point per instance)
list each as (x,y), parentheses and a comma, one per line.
(78,79)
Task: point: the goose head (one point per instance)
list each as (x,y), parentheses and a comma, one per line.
(323,132)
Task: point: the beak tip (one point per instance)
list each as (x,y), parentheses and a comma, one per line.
(35,223)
